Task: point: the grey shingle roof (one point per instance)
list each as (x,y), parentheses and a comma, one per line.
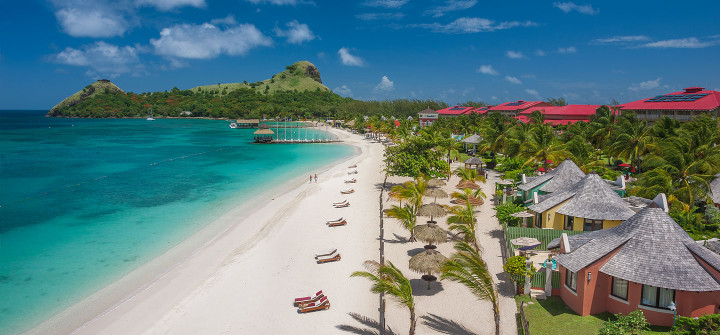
(474,139)
(651,249)
(715,189)
(474,161)
(594,199)
(567,174)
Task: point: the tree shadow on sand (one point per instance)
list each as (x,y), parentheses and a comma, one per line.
(445,326)
(398,239)
(366,321)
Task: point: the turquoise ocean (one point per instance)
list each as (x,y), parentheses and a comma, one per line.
(85,201)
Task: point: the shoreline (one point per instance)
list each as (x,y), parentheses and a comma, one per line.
(105,307)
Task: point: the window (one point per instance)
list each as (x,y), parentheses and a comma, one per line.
(620,288)
(538,220)
(571,279)
(593,225)
(569,222)
(657,296)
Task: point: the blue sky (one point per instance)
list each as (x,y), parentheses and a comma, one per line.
(450,50)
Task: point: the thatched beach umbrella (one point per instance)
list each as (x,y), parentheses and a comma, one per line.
(432,210)
(467,184)
(524,215)
(430,233)
(427,262)
(472,200)
(435,183)
(436,193)
(525,241)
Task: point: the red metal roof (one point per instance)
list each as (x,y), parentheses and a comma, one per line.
(518,105)
(570,110)
(688,99)
(455,110)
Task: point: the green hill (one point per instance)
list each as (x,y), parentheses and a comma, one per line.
(301,76)
(90,91)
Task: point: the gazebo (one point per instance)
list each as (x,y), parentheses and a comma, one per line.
(264,134)
(473,161)
(474,140)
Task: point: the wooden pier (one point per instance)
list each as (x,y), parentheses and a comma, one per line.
(304,141)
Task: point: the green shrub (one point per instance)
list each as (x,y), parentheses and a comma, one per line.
(517,269)
(712,216)
(633,323)
(503,211)
(705,325)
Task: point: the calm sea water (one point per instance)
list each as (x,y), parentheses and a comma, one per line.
(85,201)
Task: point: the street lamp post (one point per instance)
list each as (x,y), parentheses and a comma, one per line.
(673,308)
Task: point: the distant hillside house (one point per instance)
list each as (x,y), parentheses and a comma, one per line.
(427,117)
(588,205)
(513,109)
(682,106)
(561,115)
(186,113)
(648,262)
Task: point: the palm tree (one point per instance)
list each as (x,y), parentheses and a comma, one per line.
(468,194)
(468,268)
(462,219)
(542,145)
(391,281)
(497,131)
(469,174)
(407,216)
(634,139)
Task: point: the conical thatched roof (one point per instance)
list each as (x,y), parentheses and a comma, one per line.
(473,161)
(472,200)
(467,184)
(264,132)
(435,183)
(432,209)
(650,248)
(350,123)
(430,233)
(436,193)
(474,139)
(428,261)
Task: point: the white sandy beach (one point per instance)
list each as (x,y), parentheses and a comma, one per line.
(243,281)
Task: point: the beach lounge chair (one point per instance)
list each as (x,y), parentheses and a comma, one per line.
(351,181)
(307,300)
(347,204)
(336,223)
(353,172)
(326,253)
(324,303)
(330,258)
(340,203)
(348,191)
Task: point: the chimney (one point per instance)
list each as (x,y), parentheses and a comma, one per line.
(694,89)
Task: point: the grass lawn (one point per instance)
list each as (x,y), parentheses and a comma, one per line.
(552,317)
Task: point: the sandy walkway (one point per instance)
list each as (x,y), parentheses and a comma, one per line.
(449,307)
(244,280)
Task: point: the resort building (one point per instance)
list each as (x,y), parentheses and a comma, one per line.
(648,262)
(682,106)
(455,111)
(427,117)
(563,176)
(588,205)
(513,109)
(561,115)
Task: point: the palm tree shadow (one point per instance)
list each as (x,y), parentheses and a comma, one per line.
(366,321)
(445,326)
(398,239)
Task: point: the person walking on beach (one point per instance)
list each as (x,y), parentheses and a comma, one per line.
(316,177)
(310,179)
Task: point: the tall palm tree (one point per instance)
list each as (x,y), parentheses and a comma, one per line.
(469,174)
(634,139)
(467,267)
(497,131)
(462,219)
(390,280)
(467,194)
(542,145)
(407,216)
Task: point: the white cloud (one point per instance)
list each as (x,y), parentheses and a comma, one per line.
(343,90)
(539,52)
(386,3)
(450,6)
(465,25)
(487,69)
(206,40)
(385,85)
(568,50)
(278,2)
(297,33)
(645,85)
(166,5)
(686,43)
(228,20)
(513,80)
(621,39)
(92,22)
(379,16)
(533,92)
(568,7)
(102,59)
(514,54)
(349,59)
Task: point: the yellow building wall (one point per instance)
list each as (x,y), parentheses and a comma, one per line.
(554,220)
(611,223)
(579,224)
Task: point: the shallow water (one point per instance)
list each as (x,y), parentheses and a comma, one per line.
(85,201)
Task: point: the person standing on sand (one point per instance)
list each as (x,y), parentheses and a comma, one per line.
(310,179)
(316,177)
